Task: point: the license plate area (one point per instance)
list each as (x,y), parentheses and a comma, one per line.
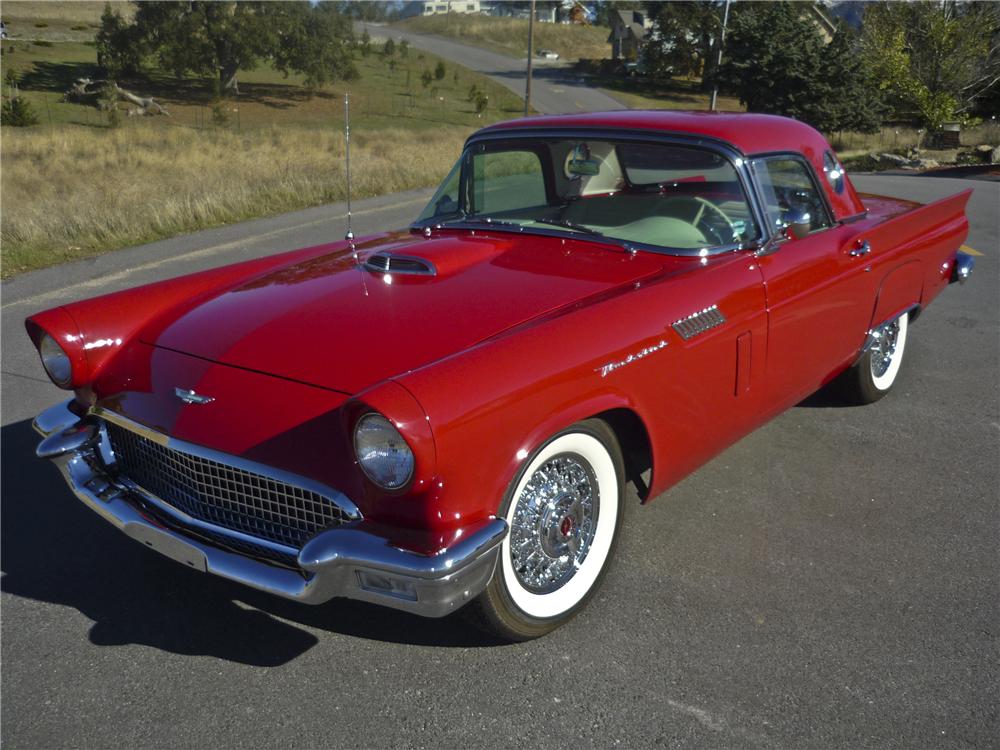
(168,545)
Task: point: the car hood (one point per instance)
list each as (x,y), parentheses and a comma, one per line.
(330,322)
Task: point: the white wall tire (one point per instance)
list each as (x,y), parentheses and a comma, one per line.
(874,374)
(884,363)
(557,549)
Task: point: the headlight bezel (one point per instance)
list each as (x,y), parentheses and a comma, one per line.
(379,422)
(55,361)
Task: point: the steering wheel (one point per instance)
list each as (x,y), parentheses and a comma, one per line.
(700,206)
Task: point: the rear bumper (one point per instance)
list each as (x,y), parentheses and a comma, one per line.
(962,269)
(348,561)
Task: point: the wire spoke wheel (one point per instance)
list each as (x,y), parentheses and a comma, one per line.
(563,513)
(554,523)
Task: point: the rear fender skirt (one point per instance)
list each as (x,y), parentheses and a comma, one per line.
(902,288)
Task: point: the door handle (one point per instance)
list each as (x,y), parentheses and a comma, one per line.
(863,247)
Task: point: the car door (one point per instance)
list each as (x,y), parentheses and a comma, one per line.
(819,288)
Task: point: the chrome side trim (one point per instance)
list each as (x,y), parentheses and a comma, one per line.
(699,322)
(337,498)
(962,270)
(348,561)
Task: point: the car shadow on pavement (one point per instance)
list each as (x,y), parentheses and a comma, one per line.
(53,549)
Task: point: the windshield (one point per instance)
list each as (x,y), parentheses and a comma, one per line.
(662,195)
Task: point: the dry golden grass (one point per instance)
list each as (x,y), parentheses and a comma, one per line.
(80,12)
(76,192)
(57,21)
(510,35)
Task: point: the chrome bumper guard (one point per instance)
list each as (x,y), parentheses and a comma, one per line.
(962,270)
(340,562)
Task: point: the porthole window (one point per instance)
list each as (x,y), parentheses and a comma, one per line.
(834,172)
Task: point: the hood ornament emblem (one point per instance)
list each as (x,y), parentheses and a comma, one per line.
(190,397)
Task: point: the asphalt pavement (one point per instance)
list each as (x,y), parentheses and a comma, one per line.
(829,581)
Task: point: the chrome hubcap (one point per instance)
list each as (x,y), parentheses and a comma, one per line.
(554,523)
(884,348)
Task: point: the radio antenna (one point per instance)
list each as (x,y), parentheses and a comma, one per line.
(347,156)
(347,153)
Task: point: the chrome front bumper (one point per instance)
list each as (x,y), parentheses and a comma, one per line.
(347,561)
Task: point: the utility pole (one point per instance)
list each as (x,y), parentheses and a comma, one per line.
(718,63)
(531,52)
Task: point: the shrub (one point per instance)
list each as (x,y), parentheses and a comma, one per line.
(480,102)
(42,43)
(439,71)
(108,102)
(220,114)
(18,113)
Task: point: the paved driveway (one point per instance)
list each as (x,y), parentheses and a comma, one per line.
(829,581)
(555,87)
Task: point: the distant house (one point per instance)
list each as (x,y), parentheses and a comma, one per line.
(629,32)
(576,13)
(545,11)
(441,7)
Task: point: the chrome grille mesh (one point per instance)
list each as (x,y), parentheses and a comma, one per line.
(224,495)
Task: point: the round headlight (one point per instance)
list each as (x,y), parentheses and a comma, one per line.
(55,361)
(383,454)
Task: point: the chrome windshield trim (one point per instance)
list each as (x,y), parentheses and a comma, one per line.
(728,151)
(346,506)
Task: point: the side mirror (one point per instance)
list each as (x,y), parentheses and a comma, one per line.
(797,223)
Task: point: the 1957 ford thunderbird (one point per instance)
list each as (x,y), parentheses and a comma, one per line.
(446,417)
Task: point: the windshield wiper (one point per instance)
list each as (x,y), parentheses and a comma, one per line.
(481,220)
(571,225)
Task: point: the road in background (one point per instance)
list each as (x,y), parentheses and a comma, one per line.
(555,87)
(829,581)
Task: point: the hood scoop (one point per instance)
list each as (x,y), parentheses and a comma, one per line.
(385,262)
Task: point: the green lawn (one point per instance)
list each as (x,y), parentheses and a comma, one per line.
(510,35)
(678,93)
(386,94)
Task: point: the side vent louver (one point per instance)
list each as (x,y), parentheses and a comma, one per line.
(699,322)
(404,264)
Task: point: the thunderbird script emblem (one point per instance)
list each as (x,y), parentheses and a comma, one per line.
(190,397)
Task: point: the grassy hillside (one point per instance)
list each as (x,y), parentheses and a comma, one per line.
(510,35)
(57,21)
(74,187)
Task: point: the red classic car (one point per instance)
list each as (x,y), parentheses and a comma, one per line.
(448,415)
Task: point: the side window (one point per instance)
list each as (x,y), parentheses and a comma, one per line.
(834,172)
(786,185)
(507,181)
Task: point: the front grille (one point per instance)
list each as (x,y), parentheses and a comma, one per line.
(223,495)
